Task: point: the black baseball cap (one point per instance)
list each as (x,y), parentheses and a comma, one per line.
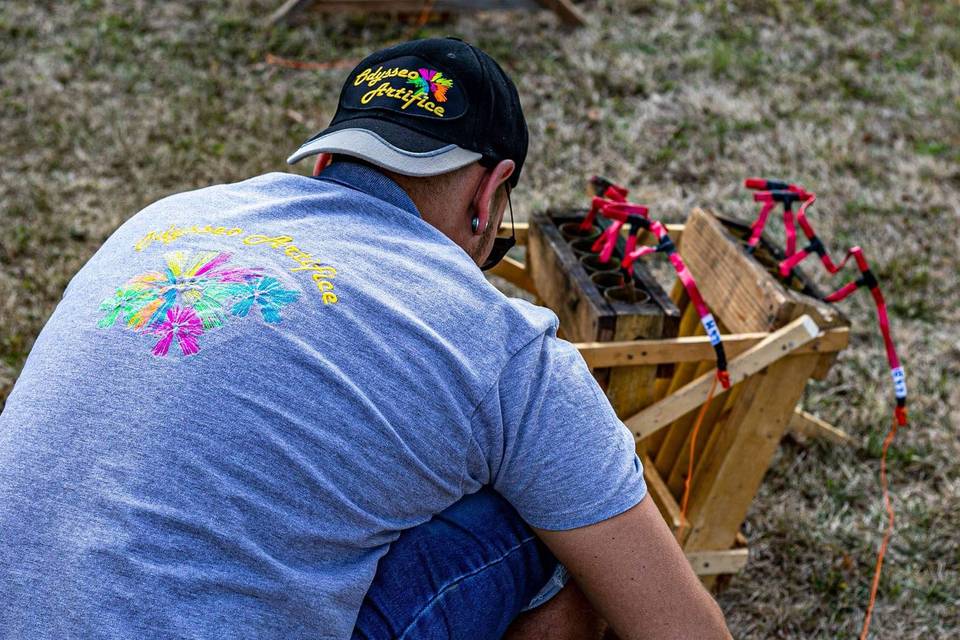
(426,107)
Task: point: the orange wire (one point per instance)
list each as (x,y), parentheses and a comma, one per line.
(425,13)
(886,536)
(693,445)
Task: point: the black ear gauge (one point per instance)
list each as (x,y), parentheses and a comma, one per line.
(475,223)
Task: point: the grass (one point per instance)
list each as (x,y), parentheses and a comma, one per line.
(107,106)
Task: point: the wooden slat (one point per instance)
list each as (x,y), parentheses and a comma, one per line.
(674,461)
(712,563)
(564,286)
(358,6)
(676,233)
(631,388)
(810,425)
(775,346)
(737,288)
(713,419)
(585,315)
(515,272)
(410,6)
(294,10)
(685,327)
(693,348)
(646,237)
(677,431)
(566,11)
(738,454)
(683,372)
(288,11)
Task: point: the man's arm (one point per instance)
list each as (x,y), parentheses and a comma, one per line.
(555,448)
(635,575)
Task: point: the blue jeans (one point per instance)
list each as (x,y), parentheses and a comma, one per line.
(467,573)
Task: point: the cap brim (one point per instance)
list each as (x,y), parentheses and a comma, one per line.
(370,146)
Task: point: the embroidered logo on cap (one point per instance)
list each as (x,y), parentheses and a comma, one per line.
(429,80)
(408,86)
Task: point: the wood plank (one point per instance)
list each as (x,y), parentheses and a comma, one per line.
(293,10)
(515,272)
(680,298)
(675,466)
(738,289)
(712,563)
(772,348)
(569,15)
(694,348)
(689,325)
(631,388)
(810,425)
(739,453)
(823,366)
(714,416)
(665,502)
(683,372)
(733,284)
(662,303)
(417,6)
(361,6)
(289,11)
(678,430)
(563,285)
(675,232)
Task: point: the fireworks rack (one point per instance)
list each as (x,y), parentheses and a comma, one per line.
(656,364)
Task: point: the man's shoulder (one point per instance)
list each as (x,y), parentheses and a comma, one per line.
(538,320)
(274,183)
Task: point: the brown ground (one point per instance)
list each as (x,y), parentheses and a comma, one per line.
(107,106)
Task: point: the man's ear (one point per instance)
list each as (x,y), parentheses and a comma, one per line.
(483,200)
(323,160)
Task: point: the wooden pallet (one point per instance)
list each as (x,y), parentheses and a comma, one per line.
(294,10)
(776,338)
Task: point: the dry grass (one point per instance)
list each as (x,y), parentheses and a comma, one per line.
(106,106)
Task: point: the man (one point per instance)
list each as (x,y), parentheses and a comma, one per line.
(293,407)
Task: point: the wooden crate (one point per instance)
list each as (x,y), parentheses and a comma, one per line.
(776,337)
(563,285)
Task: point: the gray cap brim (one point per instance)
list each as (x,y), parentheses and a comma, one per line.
(367,145)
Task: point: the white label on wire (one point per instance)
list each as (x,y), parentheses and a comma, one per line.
(711,326)
(899,382)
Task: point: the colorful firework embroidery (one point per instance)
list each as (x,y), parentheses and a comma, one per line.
(192,295)
(429,81)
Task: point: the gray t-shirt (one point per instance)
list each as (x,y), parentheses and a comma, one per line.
(252,388)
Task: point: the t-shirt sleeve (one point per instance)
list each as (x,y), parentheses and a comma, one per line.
(550,443)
